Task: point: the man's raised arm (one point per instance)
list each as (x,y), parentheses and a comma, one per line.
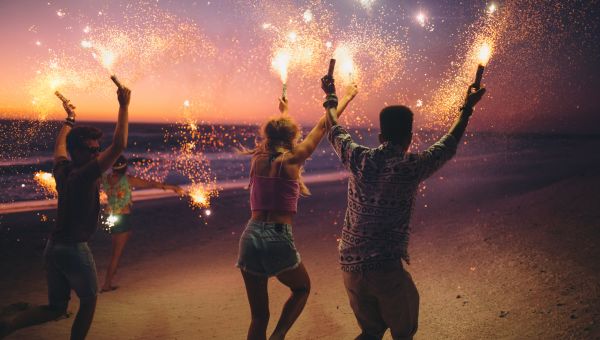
(119,143)
(331,100)
(460,124)
(60,146)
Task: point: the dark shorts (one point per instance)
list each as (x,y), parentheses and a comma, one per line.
(267,249)
(122,224)
(69,266)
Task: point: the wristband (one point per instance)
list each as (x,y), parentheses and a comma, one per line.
(330,101)
(70,121)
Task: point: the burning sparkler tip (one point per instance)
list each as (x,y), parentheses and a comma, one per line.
(421,18)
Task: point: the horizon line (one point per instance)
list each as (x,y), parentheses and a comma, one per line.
(494,132)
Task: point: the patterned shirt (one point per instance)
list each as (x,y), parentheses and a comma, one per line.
(381,193)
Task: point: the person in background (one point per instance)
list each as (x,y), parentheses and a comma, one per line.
(382,188)
(117,186)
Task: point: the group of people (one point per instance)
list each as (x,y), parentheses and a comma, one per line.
(382,186)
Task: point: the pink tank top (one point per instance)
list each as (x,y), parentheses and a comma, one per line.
(274,193)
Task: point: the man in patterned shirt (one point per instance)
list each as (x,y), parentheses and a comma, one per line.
(381,193)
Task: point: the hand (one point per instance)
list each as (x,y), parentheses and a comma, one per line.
(328,84)
(178,190)
(283,105)
(352,90)
(474,95)
(70,109)
(123,95)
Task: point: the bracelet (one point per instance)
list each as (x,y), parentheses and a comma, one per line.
(69,122)
(330,101)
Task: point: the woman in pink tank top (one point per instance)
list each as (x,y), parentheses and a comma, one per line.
(267,246)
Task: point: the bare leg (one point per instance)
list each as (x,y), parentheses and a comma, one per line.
(258,297)
(84,318)
(118,244)
(297,280)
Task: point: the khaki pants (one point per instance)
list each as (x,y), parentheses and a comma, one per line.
(383,299)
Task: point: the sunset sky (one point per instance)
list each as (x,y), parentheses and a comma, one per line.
(543,74)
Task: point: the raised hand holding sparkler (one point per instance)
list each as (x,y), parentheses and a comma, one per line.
(69,108)
(331,100)
(475,92)
(351,90)
(283,105)
(474,95)
(327,82)
(123,93)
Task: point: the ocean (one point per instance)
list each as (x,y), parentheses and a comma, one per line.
(26,148)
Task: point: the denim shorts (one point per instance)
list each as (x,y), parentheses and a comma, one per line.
(69,266)
(267,249)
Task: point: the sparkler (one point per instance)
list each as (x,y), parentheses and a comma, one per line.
(107,59)
(200,195)
(484,54)
(367,4)
(347,67)
(61,97)
(293,36)
(190,160)
(280,64)
(46,181)
(421,19)
(111,220)
(331,67)
(116,81)
(344,55)
(308,16)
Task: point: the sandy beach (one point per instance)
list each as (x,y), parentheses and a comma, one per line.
(503,247)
